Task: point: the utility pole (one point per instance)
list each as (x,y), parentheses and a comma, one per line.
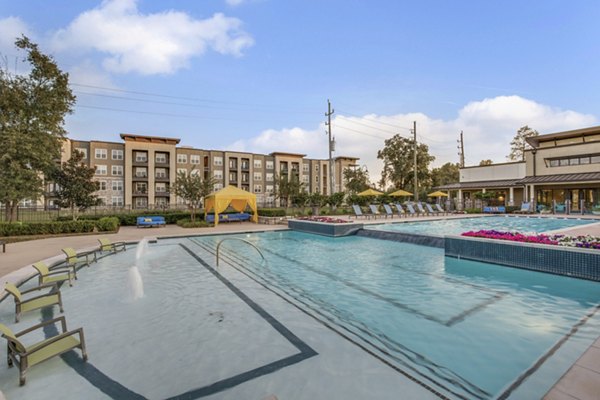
(331,142)
(461,150)
(416,186)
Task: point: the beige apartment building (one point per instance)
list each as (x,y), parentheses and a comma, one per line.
(140,171)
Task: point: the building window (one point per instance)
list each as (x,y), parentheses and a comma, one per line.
(218,161)
(218,186)
(194,159)
(218,174)
(257,176)
(257,188)
(269,189)
(101,201)
(140,188)
(160,158)
(101,185)
(141,173)
(141,202)
(195,172)
(161,187)
(160,173)
(117,185)
(101,154)
(257,163)
(269,165)
(117,201)
(269,177)
(117,154)
(233,176)
(82,151)
(181,158)
(141,156)
(305,168)
(305,178)
(101,170)
(182,171)
(595,159)
(245,163)
(117,170)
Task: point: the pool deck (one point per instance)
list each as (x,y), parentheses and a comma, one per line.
(581,381)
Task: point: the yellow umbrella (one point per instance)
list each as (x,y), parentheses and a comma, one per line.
(400,192)
(437,194)
(370,192)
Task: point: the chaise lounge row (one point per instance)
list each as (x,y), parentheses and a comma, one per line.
(400,211)
(26,356)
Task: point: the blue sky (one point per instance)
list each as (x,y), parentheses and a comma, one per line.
(256,74)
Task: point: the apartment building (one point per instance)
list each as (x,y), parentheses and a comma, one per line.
(140,171)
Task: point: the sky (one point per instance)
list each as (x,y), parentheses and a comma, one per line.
(256,75)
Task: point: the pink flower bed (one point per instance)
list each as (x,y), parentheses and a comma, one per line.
(328,220)
(588,242)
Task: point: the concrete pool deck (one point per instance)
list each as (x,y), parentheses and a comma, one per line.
(581,381)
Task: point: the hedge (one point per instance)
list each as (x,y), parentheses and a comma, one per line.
(107,224)
(187,223)
(46,228)
(271,212)
(130,219)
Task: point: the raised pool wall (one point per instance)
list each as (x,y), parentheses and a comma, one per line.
(569,261)
(325,228)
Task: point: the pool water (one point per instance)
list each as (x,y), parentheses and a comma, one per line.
(464,329)
(467,329)
(500,223)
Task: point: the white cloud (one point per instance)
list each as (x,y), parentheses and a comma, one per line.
(12,28)
(159,43)
(489,125)
(87,73)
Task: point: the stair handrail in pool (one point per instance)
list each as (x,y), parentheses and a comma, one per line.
(242,240)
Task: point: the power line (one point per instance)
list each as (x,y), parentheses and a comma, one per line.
(362,133)
(376,121)
(368,126)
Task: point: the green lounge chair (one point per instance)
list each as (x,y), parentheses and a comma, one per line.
(56,275)
(75,260)
(107,245)
(44,300)
(28,356)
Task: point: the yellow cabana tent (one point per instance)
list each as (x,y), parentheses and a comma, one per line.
(238,199)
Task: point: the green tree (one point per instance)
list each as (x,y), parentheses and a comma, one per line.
(398,163)
(287,187)
(193,189)
(447,173)
(75,185)
(485,162)
(335,200)
(300,199)
(519,143)
(32,112)
(357,179)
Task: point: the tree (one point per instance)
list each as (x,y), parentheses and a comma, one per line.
(447,173)
(398,163)
(519,143)
(335,200)
(32,112)
(287,187)
(485,162)
(193,189)
(357,179)
(75,185)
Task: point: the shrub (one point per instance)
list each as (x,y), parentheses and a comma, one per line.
(187,223)
(473,210)
(46,228)
(271,212)
(107,224)
(130,219)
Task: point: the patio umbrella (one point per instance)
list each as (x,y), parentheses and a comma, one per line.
(400,192)
(370,192)
(437,194)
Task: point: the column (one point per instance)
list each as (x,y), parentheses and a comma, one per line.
(511,196)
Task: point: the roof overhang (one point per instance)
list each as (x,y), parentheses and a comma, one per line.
(534,141)
(149,139)
(584,177)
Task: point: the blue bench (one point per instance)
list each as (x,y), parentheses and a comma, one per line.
(239,217)
(493,210)
(150,221)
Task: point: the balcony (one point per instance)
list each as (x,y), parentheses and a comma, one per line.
(137,162)
(161,178)
(245,167)
(140,193)
(140,177)
(161,162)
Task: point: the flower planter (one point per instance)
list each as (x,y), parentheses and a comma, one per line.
(325,228)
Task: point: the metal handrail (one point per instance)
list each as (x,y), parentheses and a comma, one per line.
(242,240)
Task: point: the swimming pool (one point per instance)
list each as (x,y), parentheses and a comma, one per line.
(501,223)
(463,329)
